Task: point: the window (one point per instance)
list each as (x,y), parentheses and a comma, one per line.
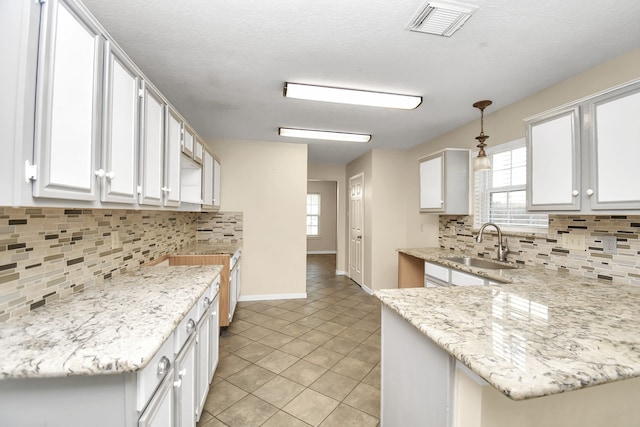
(313,214)
(501,192)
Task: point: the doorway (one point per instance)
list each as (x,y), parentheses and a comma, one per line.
(356,228)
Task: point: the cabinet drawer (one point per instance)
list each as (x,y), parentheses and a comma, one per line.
(151,375)
(464,279)
(437,271)
(186,328)
(204,302)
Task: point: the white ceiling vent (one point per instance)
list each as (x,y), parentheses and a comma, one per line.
(441,18)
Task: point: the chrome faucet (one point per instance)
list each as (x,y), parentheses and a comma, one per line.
(503,249)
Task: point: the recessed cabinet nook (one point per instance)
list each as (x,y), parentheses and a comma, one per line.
(104,136)
(583,156)
(444,182)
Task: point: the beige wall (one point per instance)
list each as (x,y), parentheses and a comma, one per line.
(267,182)
(325,241)
(504,124)
(337,173)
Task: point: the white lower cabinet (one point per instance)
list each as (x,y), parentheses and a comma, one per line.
(160,411)
(202,360)
(185,384)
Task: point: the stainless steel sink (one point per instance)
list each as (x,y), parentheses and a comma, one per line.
(480,263)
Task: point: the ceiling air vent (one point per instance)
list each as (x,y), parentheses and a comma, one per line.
(441,18)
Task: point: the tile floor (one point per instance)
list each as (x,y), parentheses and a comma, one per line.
(289,363)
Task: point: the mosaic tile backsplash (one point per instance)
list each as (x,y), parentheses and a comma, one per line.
(47,253)
(220,227)
(529,249)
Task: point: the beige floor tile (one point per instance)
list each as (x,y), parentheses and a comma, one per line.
(292,316)
(331,328)
(277,361)
(222,395)
(325,314)
(345,319)
(230,365)
(303,372)
(316,337)
(231,343)
(275,339)
(366,354)
(353,334)
(311,322)
(365,398)
(279,391)
(282,419)
(334,385)
(204,417)
(295,330)
(311,407)
(298,348)
(366,325)
(275,311)
(305,309)
(255,333)
(340,345)
(239,325)
(254,351)
(248,412)
(373,341)
(276,324)
(352,368)
(250,378)
(345,415)
(373,377)
(259,319)
(213,422)
(323,357)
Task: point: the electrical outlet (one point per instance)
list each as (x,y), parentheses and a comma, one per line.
(573,241)
(609,245)
(115,239)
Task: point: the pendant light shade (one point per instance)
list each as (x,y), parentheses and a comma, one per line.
(482,161)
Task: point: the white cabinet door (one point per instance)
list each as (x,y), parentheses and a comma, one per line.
(68,105)
(121,130)
(214,337)
(185,390)
(198,150)
(151,146)
(432,183)
(171,187)
(216,182)
(553,157)
(207,180)
(188,143)
(615,150)
(202,360)
(160,411)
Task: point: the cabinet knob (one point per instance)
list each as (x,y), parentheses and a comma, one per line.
(178,383)
(589,192)
(163,366)
(206,302)
(100,173)
(111,175)
(575,193)
(191,325)
(182,372)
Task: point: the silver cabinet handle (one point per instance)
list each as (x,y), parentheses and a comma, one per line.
(206,301)
(163,366)
(191,325)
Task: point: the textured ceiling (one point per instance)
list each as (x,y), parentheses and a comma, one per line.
(222,63)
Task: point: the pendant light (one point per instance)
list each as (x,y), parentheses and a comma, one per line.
(482,161)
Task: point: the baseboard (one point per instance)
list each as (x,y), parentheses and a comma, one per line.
(341,273)
(367,290)
(321,252)
(270,297)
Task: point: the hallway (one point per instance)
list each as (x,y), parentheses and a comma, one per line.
(313,361)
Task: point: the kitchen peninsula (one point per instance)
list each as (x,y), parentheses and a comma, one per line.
(532,340)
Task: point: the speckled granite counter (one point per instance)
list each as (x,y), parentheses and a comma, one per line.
(542,334)
(111,328)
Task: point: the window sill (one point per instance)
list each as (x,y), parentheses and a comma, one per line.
(530,234)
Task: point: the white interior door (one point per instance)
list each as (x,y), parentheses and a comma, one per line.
(356,227)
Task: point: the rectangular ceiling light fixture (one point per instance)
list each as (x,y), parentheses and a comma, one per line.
(441,18)
(351,96)
(323,134)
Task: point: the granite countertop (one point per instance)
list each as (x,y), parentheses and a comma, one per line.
(543,333)
(112,328)
(210,248)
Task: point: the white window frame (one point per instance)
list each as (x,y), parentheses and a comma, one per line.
(317,234)
(482,184)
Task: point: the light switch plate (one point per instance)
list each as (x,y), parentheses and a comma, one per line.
(573,241)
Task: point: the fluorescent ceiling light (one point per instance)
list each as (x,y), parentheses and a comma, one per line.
(323,134)
(351,96)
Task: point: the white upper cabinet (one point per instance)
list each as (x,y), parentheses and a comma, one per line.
(582,157)
(444,182)
(615,145)
(173,144)
(207,180)
(553,156)
(198,150)
(68,104)
(188,142)
(217,172)
(121,130)
(152,147)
